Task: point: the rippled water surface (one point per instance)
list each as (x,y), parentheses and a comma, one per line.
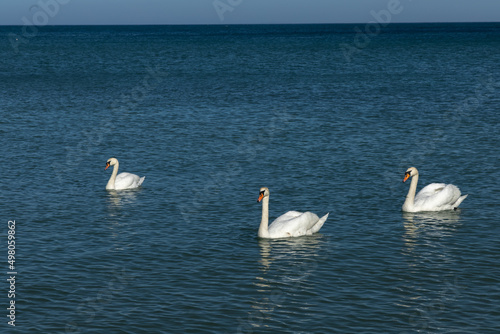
(209,114)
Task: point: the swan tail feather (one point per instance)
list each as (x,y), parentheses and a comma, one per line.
(141,180)
(319,224)
(459,200)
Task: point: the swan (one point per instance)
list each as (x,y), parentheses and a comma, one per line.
(434,197)
(122,180)
(290,224)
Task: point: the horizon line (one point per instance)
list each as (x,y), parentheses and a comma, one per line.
(241,24)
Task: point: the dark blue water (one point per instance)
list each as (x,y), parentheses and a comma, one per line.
(327,118)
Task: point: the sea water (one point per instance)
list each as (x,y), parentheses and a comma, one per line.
(328,117)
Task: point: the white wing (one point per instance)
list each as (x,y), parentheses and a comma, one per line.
(294,224)
(128,181)
(431,189)
(437,196)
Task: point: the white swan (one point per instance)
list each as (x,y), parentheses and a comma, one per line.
(434,197)
(122,180)
(290,224)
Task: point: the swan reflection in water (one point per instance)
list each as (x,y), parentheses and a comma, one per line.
(304,248)
(427,288)
(118,199)
(431,224)
(421,226)
(286,267)
(117,203)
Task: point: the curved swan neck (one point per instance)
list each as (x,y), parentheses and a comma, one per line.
(410,198)
(111,182)
(263,231)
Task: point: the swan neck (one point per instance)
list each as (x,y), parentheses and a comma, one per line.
(410,198)
(264,223)
(111,182)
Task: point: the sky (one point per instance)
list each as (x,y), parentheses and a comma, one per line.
(76,12)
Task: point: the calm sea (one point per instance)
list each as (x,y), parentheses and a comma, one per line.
(328,117)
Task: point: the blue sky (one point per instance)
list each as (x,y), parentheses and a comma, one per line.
(53,12)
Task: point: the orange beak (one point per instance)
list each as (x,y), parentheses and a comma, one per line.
(407,176)
(107,165)
(261,196)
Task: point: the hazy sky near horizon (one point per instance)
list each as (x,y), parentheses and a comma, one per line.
(55,12)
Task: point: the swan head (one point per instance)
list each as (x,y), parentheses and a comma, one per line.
(111,162)
(264,192)
(412,171)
